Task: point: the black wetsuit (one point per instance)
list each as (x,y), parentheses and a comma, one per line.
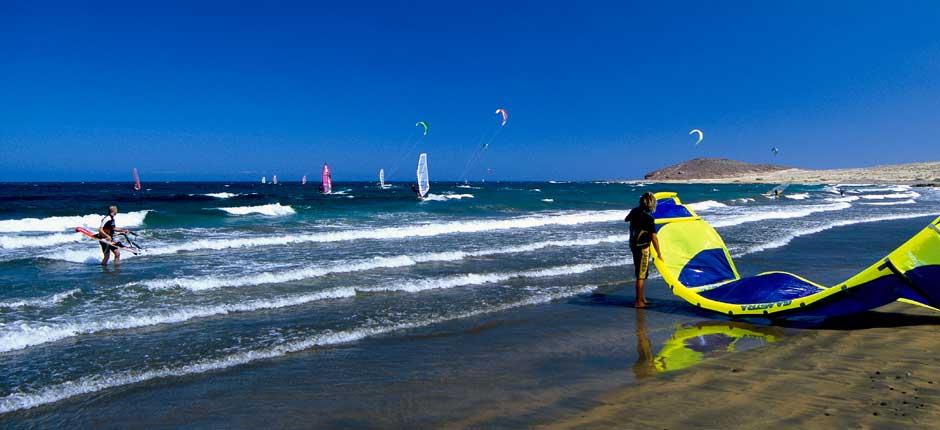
(107,224)
(642,228)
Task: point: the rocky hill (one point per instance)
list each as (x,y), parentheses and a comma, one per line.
(710,168)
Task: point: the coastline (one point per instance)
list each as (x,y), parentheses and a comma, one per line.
(873,372)
(899,174)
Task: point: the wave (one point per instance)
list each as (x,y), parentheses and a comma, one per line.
(214,282)
(797,196)
(273,209)
(385,233)
(743,200)
(221,195)
(902,202)
(907,195)
(26,334)
(842,199)
(853,185)
(706,205)
(60,223)
(778,213)
(893,188)
(548,200)
(813,230)
(19,400)
(445,197)
(19,241)
(41,302)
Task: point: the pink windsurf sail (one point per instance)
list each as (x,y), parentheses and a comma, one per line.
(327,180)
(136,180)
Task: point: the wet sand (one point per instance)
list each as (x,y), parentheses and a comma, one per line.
(876,370)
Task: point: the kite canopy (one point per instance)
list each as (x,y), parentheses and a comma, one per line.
(700,135)
(502,112)
(699,269)
(423,125)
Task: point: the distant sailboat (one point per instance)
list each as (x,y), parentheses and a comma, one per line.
(136,180)
(424,185)
(303,181)
(274,180)
(264,179)
(327,187)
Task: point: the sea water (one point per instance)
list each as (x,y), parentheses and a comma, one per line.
(269,304)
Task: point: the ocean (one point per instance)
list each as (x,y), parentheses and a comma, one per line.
(489,305)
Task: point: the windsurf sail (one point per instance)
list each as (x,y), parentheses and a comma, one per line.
(274,180)
(382,178)
(264,179)
(777,191)
(303,180)
(423,184)
(698,268)
(136,180)
(327,186)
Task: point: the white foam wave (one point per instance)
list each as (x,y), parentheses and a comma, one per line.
(797,196)
(273,209)
(813,230)
(842,199)
(19,241)
(785,212)
(391,233)
(445,197)
(893,188)
(19,400)
(221,195)
(706,205)
(907,195)
(60,223)
(548,200)
(902,202)
(41,302)
(743,200)
(214,282)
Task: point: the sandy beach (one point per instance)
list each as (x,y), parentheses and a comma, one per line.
(876,370)
(908,174)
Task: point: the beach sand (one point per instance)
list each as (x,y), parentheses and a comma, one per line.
(877,370)
(912,173)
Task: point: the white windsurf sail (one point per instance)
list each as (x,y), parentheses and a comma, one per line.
(264,179)
(423,184)
(303,180)
(274,180)
(382,178)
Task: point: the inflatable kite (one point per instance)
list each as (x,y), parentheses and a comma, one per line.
(698,268)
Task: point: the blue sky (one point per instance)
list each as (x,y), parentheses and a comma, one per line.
(595,90)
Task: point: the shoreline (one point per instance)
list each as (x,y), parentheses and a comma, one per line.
(882,374)
(894,174)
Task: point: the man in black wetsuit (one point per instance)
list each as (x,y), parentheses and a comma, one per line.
(642,234)
(106,231)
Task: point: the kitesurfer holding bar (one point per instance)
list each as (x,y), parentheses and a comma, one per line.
(106,231)
(642,234)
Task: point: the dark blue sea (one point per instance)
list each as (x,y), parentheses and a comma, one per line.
(488,305)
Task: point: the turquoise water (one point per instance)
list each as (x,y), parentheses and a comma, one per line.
(282,298)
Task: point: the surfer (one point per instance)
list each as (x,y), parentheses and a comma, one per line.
(106,231)
(642,234)
(414,189)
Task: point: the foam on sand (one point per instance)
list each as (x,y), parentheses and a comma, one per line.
(18,400)
(61,223)
(273,209)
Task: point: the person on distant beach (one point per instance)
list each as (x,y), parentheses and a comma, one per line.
(642,234)
(106,231)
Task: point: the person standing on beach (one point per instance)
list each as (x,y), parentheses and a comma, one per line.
(642,234)
(106,231)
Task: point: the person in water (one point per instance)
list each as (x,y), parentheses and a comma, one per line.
(642,234)
(414,189)
(106,231)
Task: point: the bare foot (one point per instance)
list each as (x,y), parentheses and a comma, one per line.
(641,304)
